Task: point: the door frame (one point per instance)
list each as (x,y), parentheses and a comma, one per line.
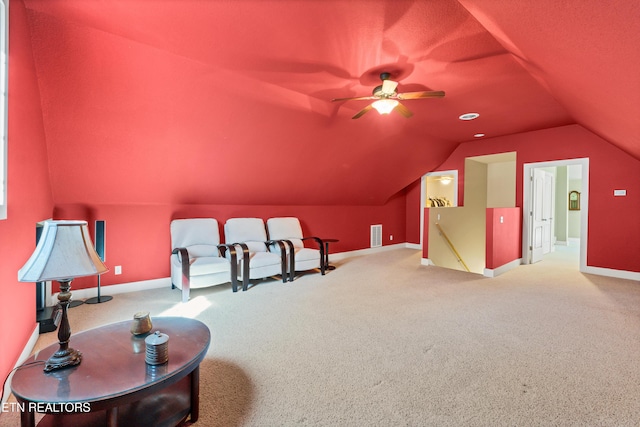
(527,201)
(423,195)
(543,204)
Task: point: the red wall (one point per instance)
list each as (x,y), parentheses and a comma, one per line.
(29,193)
(138,237)
(412,196)
(137,234)
(503,243)
(613,229)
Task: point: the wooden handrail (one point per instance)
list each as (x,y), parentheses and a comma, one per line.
(460,260)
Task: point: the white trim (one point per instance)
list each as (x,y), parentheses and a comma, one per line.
(610,272)
(119,289)
(502,269)
(527,170)
(166,281)
(26,352)
(426,261)
(359,252)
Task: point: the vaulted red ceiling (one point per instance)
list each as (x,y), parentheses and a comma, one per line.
(229,102)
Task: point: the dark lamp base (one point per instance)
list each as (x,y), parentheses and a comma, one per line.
(98,300)
(63,359)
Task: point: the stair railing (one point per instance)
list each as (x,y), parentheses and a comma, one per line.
(446,238)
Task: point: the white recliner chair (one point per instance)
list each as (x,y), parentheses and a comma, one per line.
(300,258)
(255,260)
(198,258)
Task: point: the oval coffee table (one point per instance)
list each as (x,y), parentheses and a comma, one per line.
(113,385)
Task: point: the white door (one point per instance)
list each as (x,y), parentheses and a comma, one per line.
(547,213)
(541,214)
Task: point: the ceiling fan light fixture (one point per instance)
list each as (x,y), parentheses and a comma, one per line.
(385,106)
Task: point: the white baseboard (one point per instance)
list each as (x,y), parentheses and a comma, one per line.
(426,261)
(620,274)
(26,352)
(118,289)
(343,255)
(502,269)
(166,281)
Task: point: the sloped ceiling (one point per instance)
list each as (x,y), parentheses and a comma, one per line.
(228,102)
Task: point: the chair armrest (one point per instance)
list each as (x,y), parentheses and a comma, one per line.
(321,247)
(223,247)
(245,262)
(182,253)
(243,246)
(183,256)
(318,241)
(283,257)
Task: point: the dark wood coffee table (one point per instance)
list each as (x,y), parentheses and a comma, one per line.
(113,381)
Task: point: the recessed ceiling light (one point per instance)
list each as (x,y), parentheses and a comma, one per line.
(469,116)
(479,135)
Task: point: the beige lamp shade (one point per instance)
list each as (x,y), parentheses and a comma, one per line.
(64,251)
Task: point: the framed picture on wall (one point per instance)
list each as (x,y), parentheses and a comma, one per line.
(574,200)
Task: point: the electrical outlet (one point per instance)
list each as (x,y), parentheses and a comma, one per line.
(118,269)
(391,237)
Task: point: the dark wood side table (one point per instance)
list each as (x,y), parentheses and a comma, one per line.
(328,266)
(113,385)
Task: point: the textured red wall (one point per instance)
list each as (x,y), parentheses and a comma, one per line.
(29,193)
(503,243)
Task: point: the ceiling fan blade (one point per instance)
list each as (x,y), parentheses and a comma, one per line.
(403,110)
(425,94)
(361,112)
(389,87)
(357,98)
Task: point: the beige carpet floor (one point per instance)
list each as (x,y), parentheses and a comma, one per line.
(384,341)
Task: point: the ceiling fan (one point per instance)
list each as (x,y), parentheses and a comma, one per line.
(388,99)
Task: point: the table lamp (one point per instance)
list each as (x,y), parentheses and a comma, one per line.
(64,252)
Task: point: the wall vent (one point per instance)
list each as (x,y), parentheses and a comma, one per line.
(376,235)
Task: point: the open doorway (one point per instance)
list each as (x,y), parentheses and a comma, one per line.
(550,219)
(435,188)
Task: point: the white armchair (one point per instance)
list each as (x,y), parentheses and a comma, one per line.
(197,257)
(300,258)
(255,261)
